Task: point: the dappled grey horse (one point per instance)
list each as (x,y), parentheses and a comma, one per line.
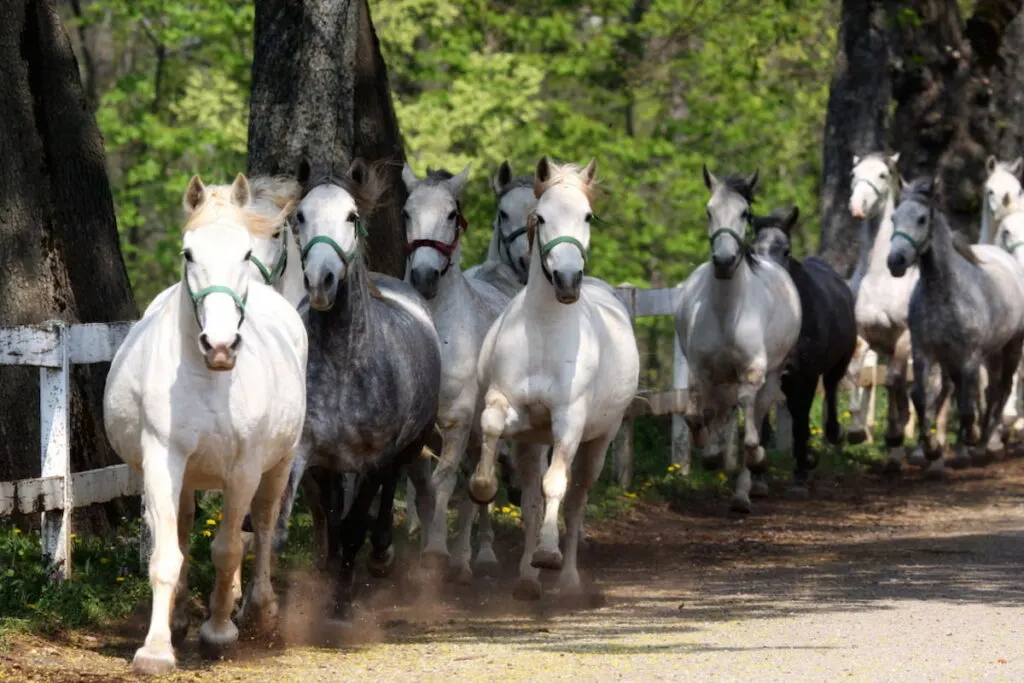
(966,309)
(372,382)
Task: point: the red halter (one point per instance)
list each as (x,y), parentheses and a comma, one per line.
(446,249)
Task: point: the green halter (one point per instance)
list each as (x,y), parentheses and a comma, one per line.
(197,298)
(346,256)
(272,276)
(919,247)
(725,231)
(883,193)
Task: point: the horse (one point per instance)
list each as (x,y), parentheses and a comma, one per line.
(1011,238)
(967,309)
(738,319)
(881,303)
(828,335)
(1003,195)
(372,382)
(507,265)
(463,309)
(208,392)
(559,366)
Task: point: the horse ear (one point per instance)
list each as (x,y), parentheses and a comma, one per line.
(503,177)
(710,181)
(357,171)
(195,194)
(990,164)
(240,190)
(894,159)
(790,219)
(1016,166)
(856,160)
(543,171)
(903,181)
(457,182)
(303,172)
(752,180)
(590,170)
(408,177)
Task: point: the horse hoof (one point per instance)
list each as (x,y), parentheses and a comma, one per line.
(546,559)
(917,459)
(178,634)
(856,436)
(797,492)
(936,474)
(713,463)
(483,490)
(985,457)
(833,434)
(211,650)
(486,568)
(759,489)
(381,565)
(462,576)
(960,461)
(151,662)
(933,454)
(812,460)
(740,504)
(892,467)
(527,590)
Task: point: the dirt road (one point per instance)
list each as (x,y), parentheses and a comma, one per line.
(870,580)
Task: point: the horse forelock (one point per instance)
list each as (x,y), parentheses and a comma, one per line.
(523,181)
(366,195)
(282,190)
(565,174)
(218,207)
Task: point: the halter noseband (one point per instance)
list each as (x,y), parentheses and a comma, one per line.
(883,193)
(446,249)
(508,240)
(346,256)
(272,276)
(546,247)
(919,247)
(197,298)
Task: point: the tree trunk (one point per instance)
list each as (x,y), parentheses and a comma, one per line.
(856,122)
(945,121)
(61,257)
(320,91)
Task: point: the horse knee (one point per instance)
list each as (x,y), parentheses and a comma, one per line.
(492,420)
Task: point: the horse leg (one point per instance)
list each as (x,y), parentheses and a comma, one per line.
(858,432)
(486,562)
(964,382)
(382,552)
(445,477)
(218,632)
(586,469)
(417,467)
(186,519)
(748,396)
(162,473)
(459,570)
(799,397)
(899,406)
(567,429)
(531,461)
(784,427)
(352,534)
(295,476)
(510,476)
(260,605)
(1008,360)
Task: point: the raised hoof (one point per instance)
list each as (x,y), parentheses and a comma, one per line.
(833,435)
(759,489)
(380,566)
(178,634)
(917,459)
(713,463)
(960,461)
(797,492)
(546,559)
(856,436)
(741,505)
(892,467)
(527,590)
(208,649)
(149,663)
(462,576)
(488,569)
(482,490)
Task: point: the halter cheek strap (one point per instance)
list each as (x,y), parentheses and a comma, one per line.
(919,247)
(725,231)
(197,298)
(446,249)
(546,247)
(882,193)
(508,240)
(272,276)
(346,256)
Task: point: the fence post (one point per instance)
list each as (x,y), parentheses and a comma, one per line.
(622,446)
(681,385)
(54,435)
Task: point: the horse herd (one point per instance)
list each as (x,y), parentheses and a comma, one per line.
(280,360)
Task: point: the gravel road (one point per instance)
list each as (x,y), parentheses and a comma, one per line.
(870,580)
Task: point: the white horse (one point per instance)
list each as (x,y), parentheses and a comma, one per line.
(881,309)
(507,266)
(1010,236)
(208,392)
(1003,196)
(559,366)
(738,318)
(463,309)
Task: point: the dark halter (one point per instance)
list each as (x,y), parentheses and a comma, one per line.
(446,249)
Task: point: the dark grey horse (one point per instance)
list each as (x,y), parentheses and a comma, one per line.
(828,336)
(966,309)
(372,382)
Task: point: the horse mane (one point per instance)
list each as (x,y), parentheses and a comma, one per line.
(282,190)
(738,184)
(525,180)
(217,205)
(963,247)
(922,191)
(436,176)
(568,174)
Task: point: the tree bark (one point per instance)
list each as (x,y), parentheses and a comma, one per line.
(856,122)
(61,257)
(320,91)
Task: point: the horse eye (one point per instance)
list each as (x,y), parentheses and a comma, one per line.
(187,253)
(587,218)
(451,216)
(405,215)
(248,255)
(278,234)
(502,215)
(352,217)
(300,217)
(920,220)
(883,175)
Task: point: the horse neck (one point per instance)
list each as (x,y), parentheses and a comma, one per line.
(882,228)
(291,285)
(188,326)
(454,281)
(494,252)
(727,295)
(936,264)
(350,315)
(986,235)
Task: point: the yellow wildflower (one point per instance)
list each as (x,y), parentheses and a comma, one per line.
(721,475)
(211,522)
(673,468)
(104,560)
(218,515)
(630,495)
(30,605)
(207,533)
(17,530)
(74,536)
(119,579)
(250,556)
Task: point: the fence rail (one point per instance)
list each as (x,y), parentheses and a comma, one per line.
(55,346)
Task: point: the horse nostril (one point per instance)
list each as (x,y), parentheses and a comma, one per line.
(328,280)
(305,281)
(204,342)
(577,278)
(522,263)
(237,342)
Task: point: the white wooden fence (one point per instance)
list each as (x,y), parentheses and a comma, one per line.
(54,347)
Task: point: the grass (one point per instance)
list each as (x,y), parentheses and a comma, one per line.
(107,584)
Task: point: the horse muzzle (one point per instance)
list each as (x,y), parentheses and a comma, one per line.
(219,356)
(425,280)
(567,285)
(724,269)
(898,264)
(321,294)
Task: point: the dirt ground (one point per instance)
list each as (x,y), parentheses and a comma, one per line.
(871,580)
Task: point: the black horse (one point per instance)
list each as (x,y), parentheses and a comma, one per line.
(828,336)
